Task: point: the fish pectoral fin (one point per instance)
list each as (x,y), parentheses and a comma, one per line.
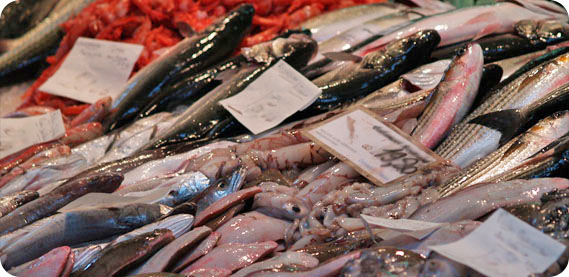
(507,122)
(342,57)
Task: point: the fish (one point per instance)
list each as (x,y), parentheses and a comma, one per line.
(386,260)
(223,189)
(511,65)
(234,197)
(546,32)
(330,268)
(19,17)
(356,80)
(233,256)
(476,201)
(38,43)
(206,119)
(496,47)
(465,24)
(54,263)
(178,224)
(165,257)
(76,227)
(452,98)
(188,90)
(218,41)
(332,23)
(120,257)
(48,204)
(512,154)
(513,121)
(203,248)
(284,262)
(468,142)
(12,201)
(551,161)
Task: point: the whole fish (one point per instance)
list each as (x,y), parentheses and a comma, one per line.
(164,259)
(48,204)
(531,36)
(552,161)
(479,200)
(369,30)
(207,119)
(12,201)
(512,154)
(127,254)
(468,142)
(188,89)
(76,227)
(193,54)
(464,24)
(37,43)
(333,23)
(356,80)
(452,98)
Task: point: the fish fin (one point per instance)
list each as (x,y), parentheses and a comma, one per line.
(507,122)
(185,29)
(342,56)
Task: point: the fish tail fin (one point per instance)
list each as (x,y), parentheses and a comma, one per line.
(507,122)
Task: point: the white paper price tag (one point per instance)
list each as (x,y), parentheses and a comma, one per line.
(277,94)
(504,246)
(375,149)
(417,229)
(18,133)
(94,69)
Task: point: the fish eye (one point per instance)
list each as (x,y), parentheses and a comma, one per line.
(296,209)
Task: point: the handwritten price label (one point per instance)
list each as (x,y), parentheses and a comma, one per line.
(19,133)
(94,69)
(377,150)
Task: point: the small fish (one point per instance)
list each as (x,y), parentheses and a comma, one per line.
(281,263)
(452,98)
(332,23)
(218,41)
(512,154)
(48,204)
(465,24)
(164,259)
(12,201)
(206,119)
(76,227)
(468,142)
(127,254)
(357,80)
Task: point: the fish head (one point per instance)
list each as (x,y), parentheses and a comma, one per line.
(236,23)
(297,50)
(280,205)
(416,47)
(137,215)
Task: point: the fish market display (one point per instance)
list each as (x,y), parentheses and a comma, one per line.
(377,139)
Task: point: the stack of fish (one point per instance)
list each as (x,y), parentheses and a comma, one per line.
(166,182)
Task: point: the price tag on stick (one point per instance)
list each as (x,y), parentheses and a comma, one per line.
(376,149)
(94,69)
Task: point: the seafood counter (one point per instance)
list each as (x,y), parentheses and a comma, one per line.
(284,138)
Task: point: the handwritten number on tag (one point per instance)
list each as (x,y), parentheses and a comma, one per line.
(397,159)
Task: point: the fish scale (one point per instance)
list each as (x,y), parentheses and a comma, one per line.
(524,90)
